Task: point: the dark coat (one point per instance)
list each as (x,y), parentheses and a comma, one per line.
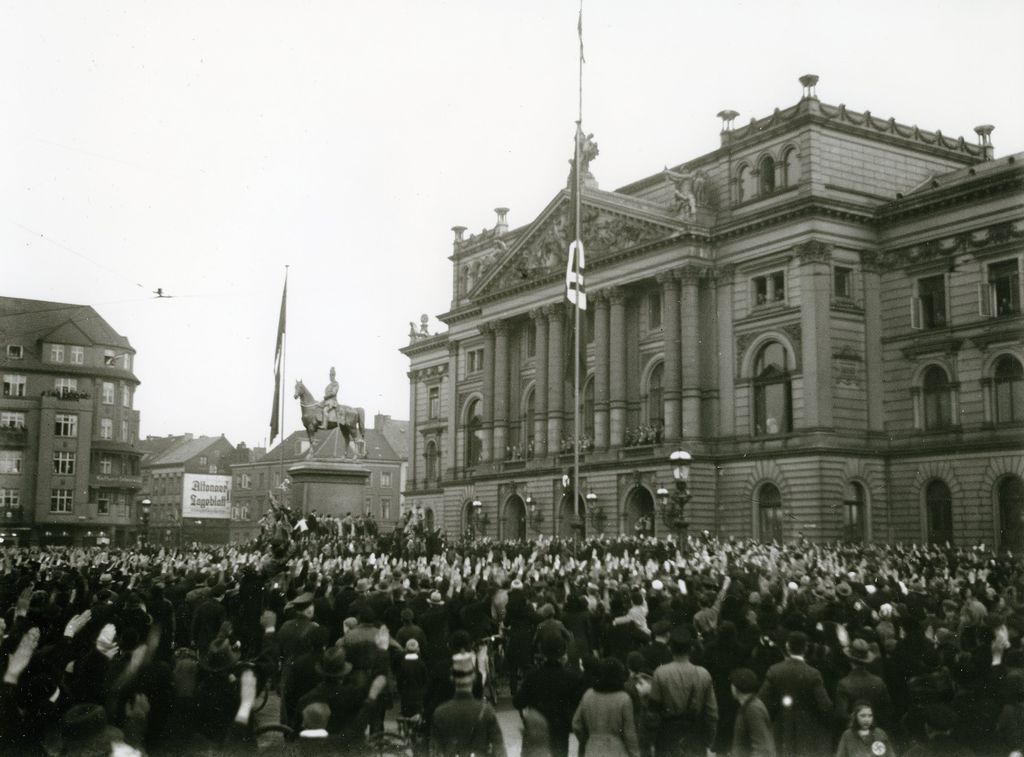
(555,692)
(795,695)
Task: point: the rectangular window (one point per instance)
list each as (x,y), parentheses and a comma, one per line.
(203,460)
(434,402)
(64,463)
(842,283)
(530,341)
(62,500)
(385,479)
(126,361)
(56,353)
(262,481)
(474,361)
(14,386)
(65,386)
(10,498)
(106,428)
(10,460)
(15,351)
(76,355)
(109,357)
(124,434)
(126,396)
(928,309)
(12,420)
(65,425)
(654,310)
(103,503)
(385,508)
(108,393)
(1004,288)
(770,288)
(106,464)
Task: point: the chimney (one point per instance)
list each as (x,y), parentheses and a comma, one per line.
(809,82)
(502,225)
(984,133)
(459,231)
(379,420)
(727,116)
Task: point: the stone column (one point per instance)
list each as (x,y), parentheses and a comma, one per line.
(414,456)
(540,385)
(500,436)
(691,346)
(599,301)
(487,409)
(453,410)
(875,389)
(617,368)
(816,361)
(555,377)
(727,352)
(671,385)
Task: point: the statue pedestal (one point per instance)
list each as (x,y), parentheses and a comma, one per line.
(330,487)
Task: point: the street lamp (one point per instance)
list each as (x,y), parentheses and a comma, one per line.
(480,519)
(144,506)
(595,515)
(533,513)
(673,504)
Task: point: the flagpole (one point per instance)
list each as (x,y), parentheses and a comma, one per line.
(576,263)
(284,360)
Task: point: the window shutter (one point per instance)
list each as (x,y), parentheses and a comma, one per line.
(985,299)
(915,312)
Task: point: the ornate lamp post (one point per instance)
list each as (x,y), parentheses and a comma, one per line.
(595,515)
(479,518)
(144,506)
(534,515)
(673,504)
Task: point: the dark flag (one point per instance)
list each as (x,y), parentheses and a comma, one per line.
(279,364)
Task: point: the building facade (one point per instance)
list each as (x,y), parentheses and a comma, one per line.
(69,465)
(825,312)
(165,465)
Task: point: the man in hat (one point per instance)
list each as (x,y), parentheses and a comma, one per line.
(217,694)
(350,703)
(297,637)
(553,690)
(435,624)
(207,618)
(752,729)
(795,695)
(656,652)
(861,685)
(465,725)
(684,695)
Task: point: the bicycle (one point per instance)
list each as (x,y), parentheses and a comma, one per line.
(490,656)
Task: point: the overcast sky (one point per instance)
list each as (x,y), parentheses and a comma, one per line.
(200,147)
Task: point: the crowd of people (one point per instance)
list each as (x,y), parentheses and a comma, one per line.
(639,646)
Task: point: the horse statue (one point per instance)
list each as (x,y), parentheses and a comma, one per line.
(348,419)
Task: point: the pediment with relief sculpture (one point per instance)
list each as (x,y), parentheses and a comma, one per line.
(607,228)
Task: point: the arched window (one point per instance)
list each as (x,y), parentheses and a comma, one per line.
(587,419)
(474,445)
(772,390)
(529,416)
(1011,514)
(430,461)
(790,168)
(655,403)
(769,513)
(855,512)
(1009,390)
(939,508)
(766,175)
(938,402)
(428,519)
(746,186)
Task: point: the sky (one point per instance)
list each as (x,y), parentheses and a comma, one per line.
(201,147)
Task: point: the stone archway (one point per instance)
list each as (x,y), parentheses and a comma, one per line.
(1010,493)
(568,524)
(513,525)
(428,519)
(640,515)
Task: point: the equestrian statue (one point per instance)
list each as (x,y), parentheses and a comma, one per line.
(329,414)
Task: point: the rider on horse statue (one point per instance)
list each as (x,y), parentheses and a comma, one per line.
(330,404)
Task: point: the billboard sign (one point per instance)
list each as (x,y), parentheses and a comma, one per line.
(206,496)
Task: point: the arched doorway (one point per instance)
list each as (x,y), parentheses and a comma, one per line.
(568,524)
(939,507)
(640,515)
(769,513)
(428,519)
(1011,514)
(469,526)
(513,525)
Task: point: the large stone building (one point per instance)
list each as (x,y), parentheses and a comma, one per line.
(69,466)
(825,312)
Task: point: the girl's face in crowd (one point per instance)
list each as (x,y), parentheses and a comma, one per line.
(865,717)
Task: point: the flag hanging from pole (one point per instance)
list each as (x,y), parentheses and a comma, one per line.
(279,364)
(575,287)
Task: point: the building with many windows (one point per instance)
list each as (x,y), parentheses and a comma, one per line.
(385,457)
(69,465)
(825,311)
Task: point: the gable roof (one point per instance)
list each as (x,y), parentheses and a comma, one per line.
(34,320)
(185,450)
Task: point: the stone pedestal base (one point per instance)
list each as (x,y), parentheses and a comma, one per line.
(333,487)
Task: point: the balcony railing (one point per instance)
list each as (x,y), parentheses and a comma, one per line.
(13,435)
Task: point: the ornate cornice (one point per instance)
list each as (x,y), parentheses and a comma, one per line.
(870,261)
(725,274)
(941,249)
